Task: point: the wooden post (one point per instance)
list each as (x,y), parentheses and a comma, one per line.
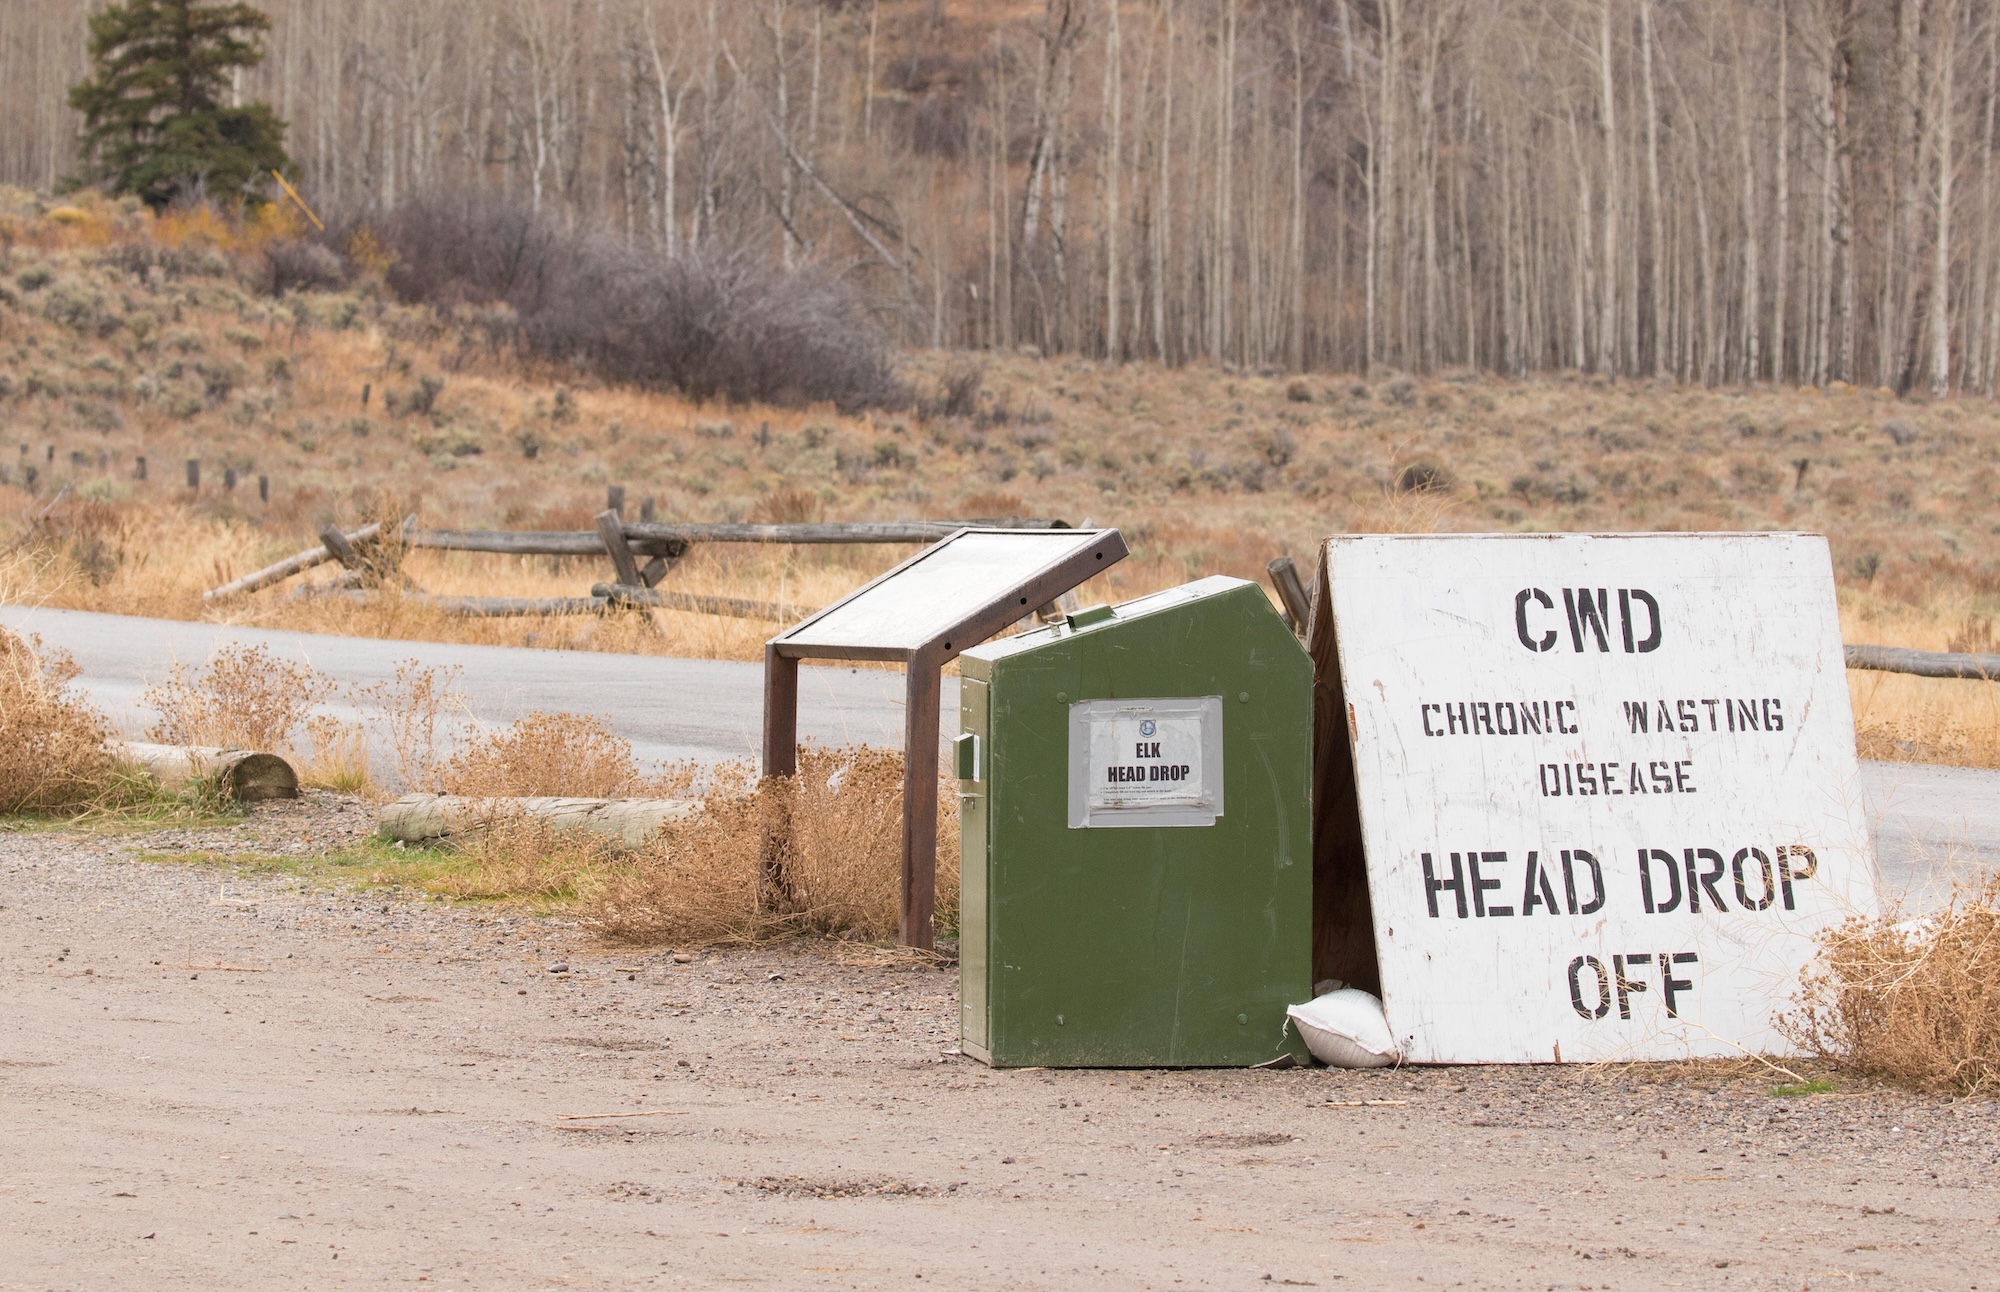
(614,498)
(194,473)
(263,487)
(1285,578)
(139,472)
(336,542)
(229,478)
(646,509)
(612,531)
(781,713)
(920,774)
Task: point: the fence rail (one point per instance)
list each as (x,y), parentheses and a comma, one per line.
(1924,663)
(656,539)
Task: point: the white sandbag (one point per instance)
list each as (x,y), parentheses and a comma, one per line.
(1346,1028)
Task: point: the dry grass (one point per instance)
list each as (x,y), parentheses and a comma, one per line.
(412,709)
(1206,471)
(819,853)
(1916,1003)
(52,744)
(1926,720)
(515,856)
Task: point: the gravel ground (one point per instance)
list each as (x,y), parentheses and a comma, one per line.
(211,1079)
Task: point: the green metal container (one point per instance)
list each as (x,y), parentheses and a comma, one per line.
(1136,883)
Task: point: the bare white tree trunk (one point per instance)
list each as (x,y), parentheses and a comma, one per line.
(1114,132)
(1781,253)
(1657,251)
(1941,122)
(1607,303)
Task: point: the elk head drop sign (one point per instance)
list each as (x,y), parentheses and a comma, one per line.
(1606,785)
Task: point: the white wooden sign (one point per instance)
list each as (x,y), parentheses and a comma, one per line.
(1607,786)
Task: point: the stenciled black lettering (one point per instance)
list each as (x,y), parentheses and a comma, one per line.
(1427,710)
(1700,881)
(1670,986)
(1627,986)
(1742,889)
(1589,614)
(1651,641)
(1547,640)
(1603,1003)
(1647,856)
(1536,889)
(1481,885)
(1787,873)
(1571,858)
(1455,885)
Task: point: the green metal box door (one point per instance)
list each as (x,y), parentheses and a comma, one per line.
(1135,789)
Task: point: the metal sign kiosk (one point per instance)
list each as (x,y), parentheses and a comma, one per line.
(924,612)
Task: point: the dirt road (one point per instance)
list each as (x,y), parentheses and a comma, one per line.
(213,1081)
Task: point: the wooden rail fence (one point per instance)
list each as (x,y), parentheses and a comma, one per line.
(370,555)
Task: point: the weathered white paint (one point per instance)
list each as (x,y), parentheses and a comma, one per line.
(1455,622)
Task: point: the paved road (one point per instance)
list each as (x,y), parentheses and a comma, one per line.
(667,708)
(1932,824)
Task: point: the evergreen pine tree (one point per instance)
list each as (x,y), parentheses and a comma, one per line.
(154,120)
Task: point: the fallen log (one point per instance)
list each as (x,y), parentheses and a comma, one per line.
(240,774)
(654,599)
(419,818)
(291,565)
(512,607)
(1924,663)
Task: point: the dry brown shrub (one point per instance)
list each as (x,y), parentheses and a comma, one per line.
(819,853)
(52,750)
(245,698)
(555,754)
(1914,1003)
(411,705)
(786,507)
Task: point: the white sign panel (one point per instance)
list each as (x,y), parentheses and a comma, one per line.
(1607,786)
(1145,762)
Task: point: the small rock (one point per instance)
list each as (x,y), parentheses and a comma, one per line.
(558,968)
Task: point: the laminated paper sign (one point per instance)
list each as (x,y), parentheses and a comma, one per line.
(1606,783)
(1145,762)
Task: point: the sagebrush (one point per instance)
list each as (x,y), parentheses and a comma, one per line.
(817,853)
(1915,1003)
(244,697)
(553,754)
(53,752)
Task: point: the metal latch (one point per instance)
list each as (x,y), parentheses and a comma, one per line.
(965,757)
